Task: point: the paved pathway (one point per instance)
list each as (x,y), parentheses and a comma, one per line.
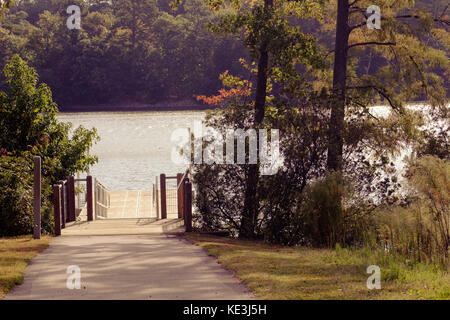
(141,263)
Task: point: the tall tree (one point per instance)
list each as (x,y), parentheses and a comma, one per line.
(277,46)
(403,69)
(250,213)
(336,139)
(137,16)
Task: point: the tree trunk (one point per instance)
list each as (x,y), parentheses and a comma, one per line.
(133,25)
(336,126)
(250,212)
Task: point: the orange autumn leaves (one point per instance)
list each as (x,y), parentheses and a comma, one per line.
(238,88)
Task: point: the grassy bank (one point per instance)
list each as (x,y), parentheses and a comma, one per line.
(15,254)
(276,272)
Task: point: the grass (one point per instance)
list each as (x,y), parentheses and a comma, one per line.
(15,254)
(276,272)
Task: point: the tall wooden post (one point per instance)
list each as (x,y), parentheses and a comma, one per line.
(188,206)
(71,197)
(64,216)
(37,198)
(163,196)
(96,200)
(89,199)
(57,208)
(157,197)
(180,195)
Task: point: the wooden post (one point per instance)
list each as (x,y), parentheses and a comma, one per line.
(57,208)
(180,195)
(188,206)
(71,197)
(157,197)
(64,216)
(89,200)
(37,198)
(96,206)
(163,196)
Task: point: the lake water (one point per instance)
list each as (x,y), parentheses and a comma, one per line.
(135,146)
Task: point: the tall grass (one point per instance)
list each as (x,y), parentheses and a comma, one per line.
(420,231)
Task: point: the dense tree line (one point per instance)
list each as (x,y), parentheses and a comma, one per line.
(126,50)
(140,50)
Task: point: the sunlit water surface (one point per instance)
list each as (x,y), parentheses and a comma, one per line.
(135,146)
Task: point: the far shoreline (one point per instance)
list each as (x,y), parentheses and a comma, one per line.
(184,105)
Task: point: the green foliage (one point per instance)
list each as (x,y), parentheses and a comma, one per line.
(431,279)
(420,230)
(328,223)
(144,51)
(276,26)
(26,110)
(220,188)
(405,60)
(28,123)
(16,197)
(138,51)
(296,204)
(28,128)
(4,5)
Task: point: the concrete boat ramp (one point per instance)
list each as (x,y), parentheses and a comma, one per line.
(131,257)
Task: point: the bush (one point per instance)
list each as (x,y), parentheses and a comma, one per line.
(219,197)
(16,198)
(29,127)
(297,204)
(328,224)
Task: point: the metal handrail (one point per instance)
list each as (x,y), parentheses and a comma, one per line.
(102,185)
(183,178)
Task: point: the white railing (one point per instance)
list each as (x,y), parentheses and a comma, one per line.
(102,200)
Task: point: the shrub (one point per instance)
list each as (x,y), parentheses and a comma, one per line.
(328,224)
(219,197)
(297,204)
(16,198)
(29,127)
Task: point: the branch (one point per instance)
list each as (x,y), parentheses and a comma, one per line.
(366,109)
(424,84)
(417,17)
(444,11)
(366,44)
(406,16)
(362,24)
(353,3)
(358,9)
(381,92)
(372,43)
